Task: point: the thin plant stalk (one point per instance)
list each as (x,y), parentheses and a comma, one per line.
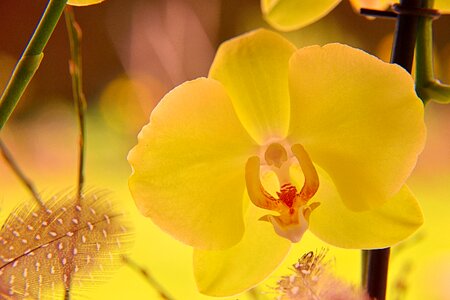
(7,155)
(67,294)
(162,292)
(75,68)
(30,60)
(75,35)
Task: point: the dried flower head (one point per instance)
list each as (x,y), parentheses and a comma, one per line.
(313,280)
(46,252)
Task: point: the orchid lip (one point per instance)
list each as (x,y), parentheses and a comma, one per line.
(292,206)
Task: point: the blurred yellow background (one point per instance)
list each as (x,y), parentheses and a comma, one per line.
(137,50)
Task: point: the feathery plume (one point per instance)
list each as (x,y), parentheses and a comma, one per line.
(313,280)
(45,252)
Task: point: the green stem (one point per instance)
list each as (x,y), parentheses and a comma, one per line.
(364,267)
(424,47)
(74,33)
(427,86)
(30,60)
(434,90)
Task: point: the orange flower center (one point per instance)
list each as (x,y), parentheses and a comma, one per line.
(287,194)
(293,206)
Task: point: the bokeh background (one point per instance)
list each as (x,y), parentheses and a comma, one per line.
(134,51)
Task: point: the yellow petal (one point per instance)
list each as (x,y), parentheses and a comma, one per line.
(83,2)
(254,70)
(442,5)
(237,269)
(382,227)
(189,163)
(358,118)
(289,15)
(372,4)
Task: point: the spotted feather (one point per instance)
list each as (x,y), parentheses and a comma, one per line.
(68,244)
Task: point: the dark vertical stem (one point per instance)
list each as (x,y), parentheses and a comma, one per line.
(405,36)
(403,55)
(377,272)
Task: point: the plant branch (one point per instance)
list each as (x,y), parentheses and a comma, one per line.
(148,277)
(30,60)
(19,173)
(75,68)
(427,86)
(424,48)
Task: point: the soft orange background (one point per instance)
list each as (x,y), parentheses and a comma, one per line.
(137,50)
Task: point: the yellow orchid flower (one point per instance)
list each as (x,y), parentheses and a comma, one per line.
(274,142)
(83,2)
(287,15)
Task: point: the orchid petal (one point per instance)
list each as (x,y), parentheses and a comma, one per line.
(241,267)
(441,5)
(358,118)
(371,4)
(382,227)
(189,163)
(289,15)
(83,2)
(254,70)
